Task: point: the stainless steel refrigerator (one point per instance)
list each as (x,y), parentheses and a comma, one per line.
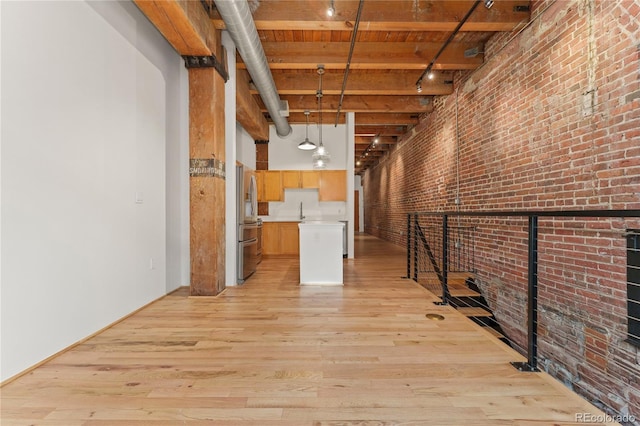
(247,219)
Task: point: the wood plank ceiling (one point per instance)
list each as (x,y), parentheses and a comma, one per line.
(395,43)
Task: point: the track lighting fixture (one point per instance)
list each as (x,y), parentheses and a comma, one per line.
(332,10)
(419,86)
(430,75)
(488,3)
(428,71)
(472,52)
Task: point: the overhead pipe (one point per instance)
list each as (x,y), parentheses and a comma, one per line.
(239,22)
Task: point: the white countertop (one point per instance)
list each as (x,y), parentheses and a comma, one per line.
(279,219)
(321,223)
(297,219)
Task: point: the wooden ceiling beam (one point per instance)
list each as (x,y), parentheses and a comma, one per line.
(359,103)
(386,119)
(362,83)
(370,131)
(314,118)
(248,112)
(184,24)
(366,55)
(378,119)
(373,153)
(383,140)
(397,15)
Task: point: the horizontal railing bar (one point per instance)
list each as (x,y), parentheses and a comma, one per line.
(541,213)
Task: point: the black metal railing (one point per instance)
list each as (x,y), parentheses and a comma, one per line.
(424,250)
(437,251)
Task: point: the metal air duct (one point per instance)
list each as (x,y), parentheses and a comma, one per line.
(239,22)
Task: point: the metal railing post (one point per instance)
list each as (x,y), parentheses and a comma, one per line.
(532,304)
(445,259)
(415,247)
(408,246)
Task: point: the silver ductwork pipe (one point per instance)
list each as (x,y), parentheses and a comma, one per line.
(239,22)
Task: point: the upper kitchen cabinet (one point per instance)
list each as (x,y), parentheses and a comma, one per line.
(333,185)
(310,179)
(301,179)
(291,178)
(269,185)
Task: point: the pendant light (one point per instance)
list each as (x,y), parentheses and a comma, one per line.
(320,156)
(306,144)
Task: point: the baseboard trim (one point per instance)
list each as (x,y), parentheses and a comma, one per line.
(79,342)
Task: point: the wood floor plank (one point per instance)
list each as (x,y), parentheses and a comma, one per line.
(272,352)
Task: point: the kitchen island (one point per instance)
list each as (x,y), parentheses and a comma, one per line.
(321,252)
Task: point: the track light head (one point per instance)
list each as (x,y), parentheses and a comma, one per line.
(419,87)
(472,52)
(331,10)
(488,3)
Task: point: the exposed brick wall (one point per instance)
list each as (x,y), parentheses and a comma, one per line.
(262,163)
(550,122)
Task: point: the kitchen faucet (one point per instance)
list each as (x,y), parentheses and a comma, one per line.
(301,216)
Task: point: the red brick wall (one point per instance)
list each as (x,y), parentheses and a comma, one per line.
(551,122)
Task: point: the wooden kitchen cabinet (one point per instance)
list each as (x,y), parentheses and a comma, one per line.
(260,184)
(270,238)
(300,179)
(309,179)
(289,238)
(269,185)
(291,178)
(280,238)
(333,185)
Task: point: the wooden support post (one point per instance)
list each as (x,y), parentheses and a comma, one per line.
(207,181)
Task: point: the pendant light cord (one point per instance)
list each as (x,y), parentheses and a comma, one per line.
(319,95)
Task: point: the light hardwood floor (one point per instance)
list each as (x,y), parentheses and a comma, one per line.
(274,353)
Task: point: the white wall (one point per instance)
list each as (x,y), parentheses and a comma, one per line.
(92,114)
(358,187)
(246,147)
(231,156)
(350,148)
(285,155)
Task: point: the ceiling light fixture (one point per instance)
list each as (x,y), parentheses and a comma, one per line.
(332,10)
(320,156)
(488,3)
(419,86)
(306,144)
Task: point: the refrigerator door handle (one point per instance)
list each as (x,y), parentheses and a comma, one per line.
(253,195)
